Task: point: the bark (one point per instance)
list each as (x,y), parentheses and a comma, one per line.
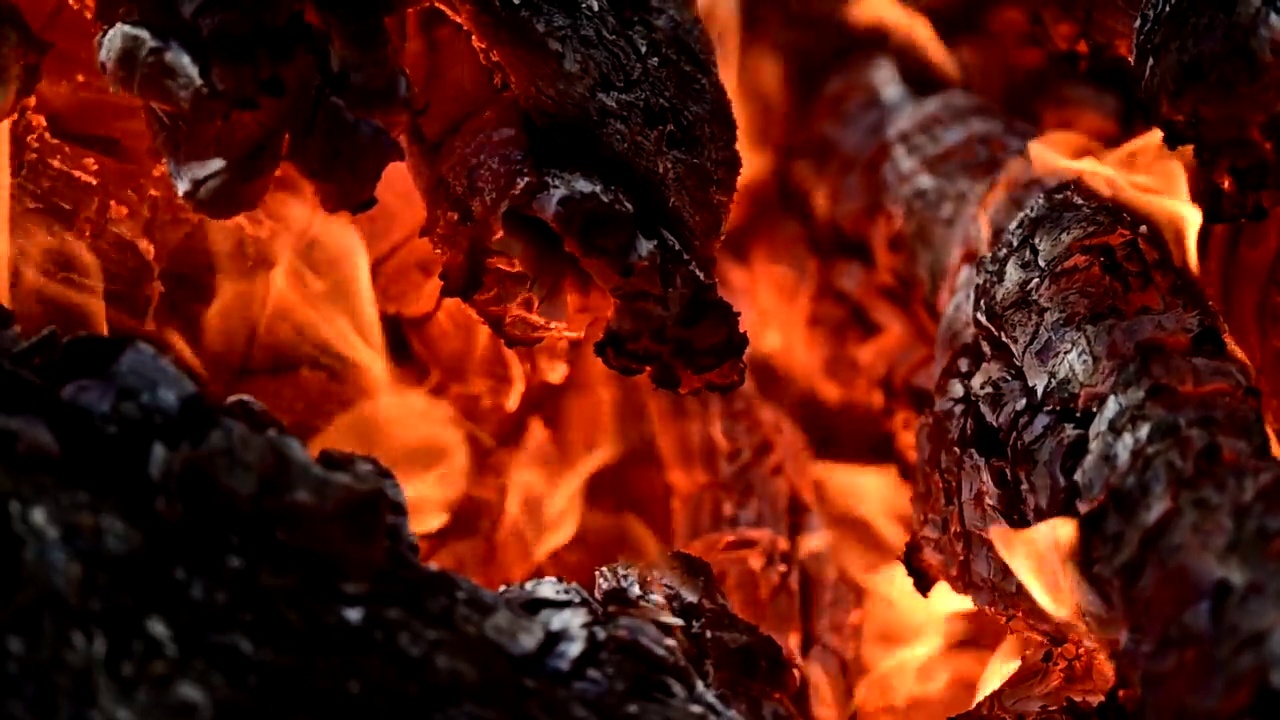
(742,499)
(218,571)
(1082,373)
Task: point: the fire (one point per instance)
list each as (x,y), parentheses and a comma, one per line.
(908,25)
(6,192)
(501,451)
(294,287)
(1043,558)
(927,657)
(1142,174)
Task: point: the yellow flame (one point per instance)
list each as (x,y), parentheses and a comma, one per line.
(907,25)
(1003,664)
(922,663)
(1043,559)
(1142,174)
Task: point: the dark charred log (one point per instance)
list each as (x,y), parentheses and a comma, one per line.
(219,571)
(1209,72)
(587,148)
(234,89)
(1082,373)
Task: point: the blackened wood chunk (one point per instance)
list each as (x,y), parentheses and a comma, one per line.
(1098,382)
(633,81)
(746,668)
(1210,72)
(233,89)
(582,164)
(165,560)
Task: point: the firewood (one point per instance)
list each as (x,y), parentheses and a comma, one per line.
(741,471)
(587,148)
(170,558)
(581,165)
(1081,372)
(1208,79)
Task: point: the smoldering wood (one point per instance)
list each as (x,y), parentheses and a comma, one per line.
(231,91)
(1082,373)
(599,161)
(742,498)
(221,571)
(1206,75)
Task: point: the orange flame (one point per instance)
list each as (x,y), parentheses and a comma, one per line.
(6,192)
(305,293)
(1142,174)
(908,25)
(927,658)
(1042,557)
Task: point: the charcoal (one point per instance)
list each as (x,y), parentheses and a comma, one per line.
(1209,73)
(584,159)
(744,666)
(168,560)
(229,86)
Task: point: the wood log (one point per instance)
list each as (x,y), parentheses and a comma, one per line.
(220,571)
(1081,372)
(1207,75)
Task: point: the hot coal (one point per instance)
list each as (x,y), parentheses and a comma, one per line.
(171,558)
(587,148)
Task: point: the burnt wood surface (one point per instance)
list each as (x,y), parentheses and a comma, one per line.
(1081,372)
(586,147)
(172,559)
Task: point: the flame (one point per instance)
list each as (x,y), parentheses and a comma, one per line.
(1042,557)
(754,100)
(6,192)
(294,287)
(56,280)
(927,657)
(1142,174)
(908,25)
(547,481)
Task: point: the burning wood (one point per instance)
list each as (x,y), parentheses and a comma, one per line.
(551,205)
(898,250)
(1082,373)
(222,570)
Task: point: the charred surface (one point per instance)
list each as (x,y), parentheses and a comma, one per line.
(222,572)
(587,150)
(746,669)
(1209,71)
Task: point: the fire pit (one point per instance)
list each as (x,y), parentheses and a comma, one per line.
(639,358)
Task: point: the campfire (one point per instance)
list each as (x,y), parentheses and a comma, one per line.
(822,359)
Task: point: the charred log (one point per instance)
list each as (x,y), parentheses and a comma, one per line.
(1209,72)
(220,571)
(1082,373)
(585,149)
(232,90)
